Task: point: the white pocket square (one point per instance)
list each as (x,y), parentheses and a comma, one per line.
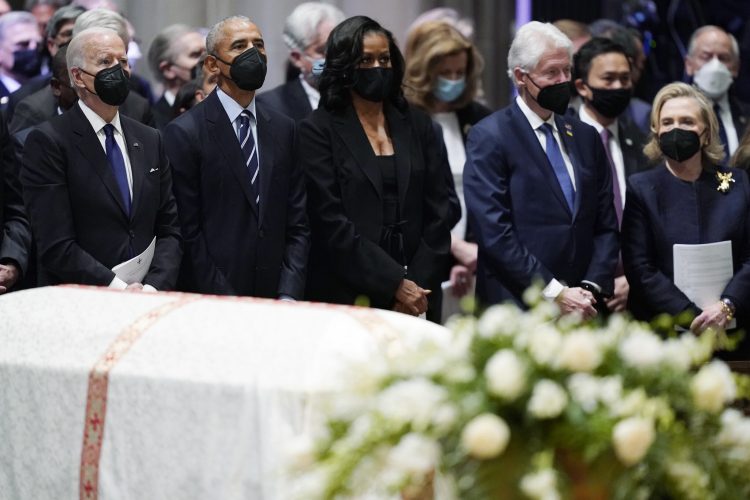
(153,170)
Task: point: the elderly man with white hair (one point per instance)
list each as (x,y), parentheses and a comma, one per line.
(97,184)
(538,187)
(305,34)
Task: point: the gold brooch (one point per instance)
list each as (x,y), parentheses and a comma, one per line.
(724,180)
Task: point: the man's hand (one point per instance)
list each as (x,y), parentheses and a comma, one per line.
(134,287)
(577,300)
(714,315)
(8,276)
(465,253)
(412,297)
(461,279)
(619,301)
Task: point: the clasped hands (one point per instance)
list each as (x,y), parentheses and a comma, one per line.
(577,300)
(714,315)
(8,276)
(411,298)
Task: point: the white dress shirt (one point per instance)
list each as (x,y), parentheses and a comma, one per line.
(313,95)
(234,110)
(454,144)
(614,146)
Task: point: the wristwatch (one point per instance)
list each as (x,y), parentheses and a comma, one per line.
(728,307)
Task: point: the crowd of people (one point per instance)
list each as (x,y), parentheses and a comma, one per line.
(370,176)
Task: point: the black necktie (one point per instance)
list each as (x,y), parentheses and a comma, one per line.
(722,132)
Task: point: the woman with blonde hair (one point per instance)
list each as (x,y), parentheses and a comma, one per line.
(691,199)
(443,71)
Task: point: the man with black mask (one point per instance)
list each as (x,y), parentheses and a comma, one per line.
(20,58)
(601,73)
(238,184)
(97,184)
(538,187)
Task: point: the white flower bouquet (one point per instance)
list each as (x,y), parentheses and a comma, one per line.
(531,405)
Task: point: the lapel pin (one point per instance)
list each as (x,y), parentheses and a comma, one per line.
(136,145)
(628,141)
(569,129)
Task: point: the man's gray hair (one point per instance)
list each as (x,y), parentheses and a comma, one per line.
(531,42)
(76,54)
(103,18)
(301,27)
(213,33)
(162,48)
(67,13)
(15,17)
(710,27)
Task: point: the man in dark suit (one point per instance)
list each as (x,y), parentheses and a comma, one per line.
(19,55)
(538,187)
(238,184)
(172,56)
(98,185)
(15,234)
(713,62)
(305,33)
(602,78)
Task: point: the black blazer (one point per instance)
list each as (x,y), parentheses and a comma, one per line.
(231,248)
(15,233)
(162,112)
(79,222)
(289,99)
(42,105)
(632,141)
(346,213)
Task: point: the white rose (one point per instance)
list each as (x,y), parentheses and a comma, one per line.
(735,434)
(540,485)
(445,418)
(610,390)
(548,399)
(544,343)
(415,455)
(580,352)
(632,439)
(499,320)
(633,402)
(642,349)
(584,389)
(485,436)
(713,386)
(413,400)
(677,354)
(505,374)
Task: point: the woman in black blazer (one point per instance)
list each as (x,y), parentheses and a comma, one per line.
(691,199)
(377,199)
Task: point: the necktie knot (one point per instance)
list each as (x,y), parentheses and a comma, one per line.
(547,129)
(606,134)
(109,130)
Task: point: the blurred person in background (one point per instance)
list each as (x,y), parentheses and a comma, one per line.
(576,31)
(741,157)
(377,198)
(443,70)
(20,58)
(689,199)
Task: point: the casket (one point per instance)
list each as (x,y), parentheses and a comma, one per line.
(116,395)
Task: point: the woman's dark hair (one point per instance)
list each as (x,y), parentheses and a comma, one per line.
(343,55)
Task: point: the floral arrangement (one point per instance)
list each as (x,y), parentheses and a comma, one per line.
(532,405)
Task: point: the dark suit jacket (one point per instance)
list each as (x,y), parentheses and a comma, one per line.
(15,233)
(638,113)
(632,141)
(345,193)
(163,113)
(288,98)
(522,223)
(660,211)
(230,248)
(28,88)
(79,222)
(740,114)
(42,105)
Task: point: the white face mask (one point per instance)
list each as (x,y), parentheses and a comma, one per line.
(713,78)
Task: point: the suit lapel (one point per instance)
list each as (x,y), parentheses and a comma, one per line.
(266,150)
(134,145)
(566,134)
(529,144)
(347,126)
(224,137)
(299,98)
(91,149)
(402,138)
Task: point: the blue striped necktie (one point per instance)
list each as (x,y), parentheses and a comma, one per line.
(558,165)
(250,152)
(117,164)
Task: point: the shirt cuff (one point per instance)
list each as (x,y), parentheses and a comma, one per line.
(118,284)
(287,298)
(149,288)
(553,289)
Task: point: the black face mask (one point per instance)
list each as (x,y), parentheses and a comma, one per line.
(111,85)
(373,84)
(553,97)
(247,70)
(26,62)
(679,144)
(610,102)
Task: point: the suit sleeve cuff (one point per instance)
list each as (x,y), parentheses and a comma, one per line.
(553,289)
(118,284)
(149,288)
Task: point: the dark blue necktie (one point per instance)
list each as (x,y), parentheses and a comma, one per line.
(722,133)
(117,164)
(558,165)
(250,152)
